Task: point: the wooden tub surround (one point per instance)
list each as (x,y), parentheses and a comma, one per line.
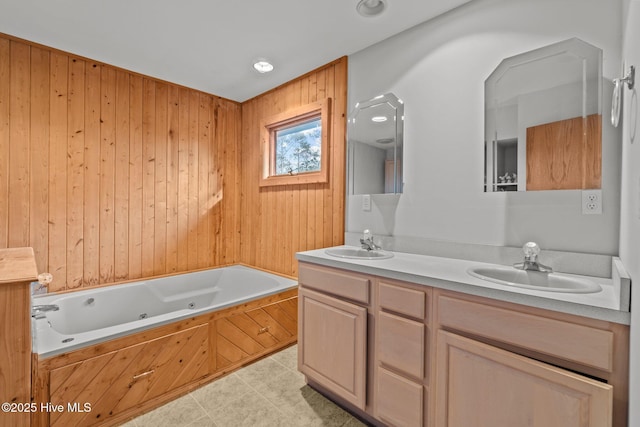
(423,356)
(17,271)
(119,379)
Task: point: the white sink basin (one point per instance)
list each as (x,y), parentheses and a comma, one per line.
(551,282)
(357,253)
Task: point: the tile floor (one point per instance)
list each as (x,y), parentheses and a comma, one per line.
(270,392)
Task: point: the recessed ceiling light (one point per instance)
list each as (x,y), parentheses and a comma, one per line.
(370,8)
(379,119)
(263,66)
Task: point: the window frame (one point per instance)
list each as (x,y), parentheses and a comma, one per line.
(290,118)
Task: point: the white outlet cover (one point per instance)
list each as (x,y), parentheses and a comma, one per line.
(592,202)
(366,203)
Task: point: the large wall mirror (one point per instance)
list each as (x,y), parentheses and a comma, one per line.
(375,141)
(543,123)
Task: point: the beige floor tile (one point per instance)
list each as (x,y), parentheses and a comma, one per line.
(257,373)
(288,357)
(252,410)
(221,392)
(178,413)
(268,393)
(285,391)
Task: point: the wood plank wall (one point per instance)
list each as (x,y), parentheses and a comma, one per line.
(110,175)
(278,221)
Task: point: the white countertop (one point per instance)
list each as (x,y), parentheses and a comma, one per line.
(451,274)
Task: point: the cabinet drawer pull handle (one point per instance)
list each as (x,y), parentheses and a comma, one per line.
(142,375)
(263,330)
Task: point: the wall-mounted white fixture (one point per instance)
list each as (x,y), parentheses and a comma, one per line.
(262,66)
(616,102)
(379,119)
(368,8)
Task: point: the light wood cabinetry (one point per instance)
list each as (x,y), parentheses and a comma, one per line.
(480,385)
(448,359)
(540,357)
(335,347)
(402,321)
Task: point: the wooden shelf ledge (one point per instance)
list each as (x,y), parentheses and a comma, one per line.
(17,265)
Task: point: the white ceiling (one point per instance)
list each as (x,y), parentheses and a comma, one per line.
(210,45)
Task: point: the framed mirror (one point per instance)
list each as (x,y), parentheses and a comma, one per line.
(375,141)
(543,120)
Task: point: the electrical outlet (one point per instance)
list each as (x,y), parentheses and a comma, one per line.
(366,203)
(591,202)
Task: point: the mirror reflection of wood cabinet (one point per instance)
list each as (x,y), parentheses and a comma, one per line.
(565,154)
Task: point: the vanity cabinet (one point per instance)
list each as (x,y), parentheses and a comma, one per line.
(333,323)
(423,356)
(504,364)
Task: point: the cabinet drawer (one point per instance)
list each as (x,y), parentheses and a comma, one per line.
(122,379)
(245,335)
(399,401)
(401,344)
(569,341)
(409,302)
(348,285)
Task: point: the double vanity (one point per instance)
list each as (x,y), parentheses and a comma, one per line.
(413,340)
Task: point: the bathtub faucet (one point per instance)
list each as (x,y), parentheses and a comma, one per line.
(38,311)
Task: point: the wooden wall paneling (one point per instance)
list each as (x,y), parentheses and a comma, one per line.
(5,114)
(193,181)
(58,171)
(91,199)
(126,176)
(160,188)
(204,143)
(183,182)
(148,177)
(122,154)
(19,148)
(107,173)
(292,218)
(136,172)
(75,174)
(39,165)
(173,122)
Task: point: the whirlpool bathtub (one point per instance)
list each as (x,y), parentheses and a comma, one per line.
(91,316)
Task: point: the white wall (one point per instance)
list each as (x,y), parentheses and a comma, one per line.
(630,199)
(438,69)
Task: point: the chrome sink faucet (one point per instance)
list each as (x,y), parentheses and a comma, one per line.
(530,263)
(367,242)
(38,311)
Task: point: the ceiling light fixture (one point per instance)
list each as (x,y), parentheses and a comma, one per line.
(379,119)
(368,8)
(262,66)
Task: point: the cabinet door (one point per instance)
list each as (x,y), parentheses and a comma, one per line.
(332,345)
(254,332)
(480,385)
(114,382)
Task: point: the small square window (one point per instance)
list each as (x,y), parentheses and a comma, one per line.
(298,147)
(295,144)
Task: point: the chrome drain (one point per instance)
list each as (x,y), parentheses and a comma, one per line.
(66,340)
(142,316)
(192,305)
